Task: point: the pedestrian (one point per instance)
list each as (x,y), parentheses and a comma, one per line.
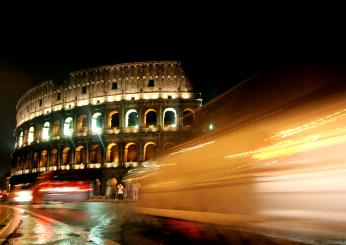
(108,189)
(135,188)
(128,190)
(120,191)
(98,187)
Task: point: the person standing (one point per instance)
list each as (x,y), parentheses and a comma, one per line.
(97,187)
(135,187)
(108,189)
(120,191)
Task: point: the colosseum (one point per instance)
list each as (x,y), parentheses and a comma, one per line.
(108,118)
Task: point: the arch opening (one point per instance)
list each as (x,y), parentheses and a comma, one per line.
(45,131)
(31,135)
(131,119)
(150,151)
(96,123)
(170,117)
(151,118)
(68,126)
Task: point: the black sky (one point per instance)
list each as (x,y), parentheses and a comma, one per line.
(217,47)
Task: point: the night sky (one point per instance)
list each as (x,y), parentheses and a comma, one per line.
(217,50)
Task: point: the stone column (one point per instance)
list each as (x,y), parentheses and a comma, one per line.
(122,116)
(58,163)
(140,151)
(87,160)
(140,118)
(71,162)
(160,117)
(121,153)
(48,159)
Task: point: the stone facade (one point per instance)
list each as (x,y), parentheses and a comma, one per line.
(107,117)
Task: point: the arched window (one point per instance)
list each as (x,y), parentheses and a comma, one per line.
(169,117)
(131,119)
(28,161)
(56,127)
(53,159)
(150,118)
(20,140)
(150,151)
(80,156)
(112,153)
(35,160)
(43,160)
(114,120)
(82,124)
(96,123)
(95,154)
(66,156)
(131,152)
(31,135)
(188,118)
(68,126)
(45,131)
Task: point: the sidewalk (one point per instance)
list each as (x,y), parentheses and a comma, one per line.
(9,222)
(105,199)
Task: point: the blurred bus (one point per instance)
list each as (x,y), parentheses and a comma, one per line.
(267,156)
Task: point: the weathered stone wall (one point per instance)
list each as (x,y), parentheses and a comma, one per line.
(106,84)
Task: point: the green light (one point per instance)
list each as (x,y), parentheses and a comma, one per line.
(211,126)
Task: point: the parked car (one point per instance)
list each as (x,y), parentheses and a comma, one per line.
(62,186)
(20,194)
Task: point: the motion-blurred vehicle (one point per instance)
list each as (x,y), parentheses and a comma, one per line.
(3,195)
(267,156)
(20,194)
(62,186)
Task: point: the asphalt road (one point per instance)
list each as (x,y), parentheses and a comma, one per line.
(113,223)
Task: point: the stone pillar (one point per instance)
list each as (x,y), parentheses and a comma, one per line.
(121,153)
(140,152)
(122,116)
(179,118)
(32,160)
(87,160)
(105,121)
(48,159)
(71,162)
(160,117)
(58,163)
(140,118)
(104,154)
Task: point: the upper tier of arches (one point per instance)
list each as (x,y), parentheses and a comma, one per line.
(131,81)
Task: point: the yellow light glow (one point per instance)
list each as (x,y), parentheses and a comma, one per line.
(186,95)
(192,148)
(313,124)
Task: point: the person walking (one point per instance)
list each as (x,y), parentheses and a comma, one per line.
(108,189)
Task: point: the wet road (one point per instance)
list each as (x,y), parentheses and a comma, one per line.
(109,223)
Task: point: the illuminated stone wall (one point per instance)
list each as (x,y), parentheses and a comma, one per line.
(131,82)
(105,117)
